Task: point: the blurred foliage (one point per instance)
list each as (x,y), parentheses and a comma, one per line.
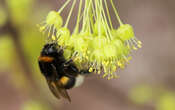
(166,101)
(10,62)
(7,52)
(3,16)
(141,94)
(23,19)
(20,10)
(34,105)
(32,42)
(161,97)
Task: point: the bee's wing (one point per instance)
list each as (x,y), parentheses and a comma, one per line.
(57,88)
(62,91)
(53,89)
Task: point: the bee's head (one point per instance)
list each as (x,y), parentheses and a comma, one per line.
(51,50)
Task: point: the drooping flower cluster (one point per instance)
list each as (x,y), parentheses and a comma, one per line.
(94,43)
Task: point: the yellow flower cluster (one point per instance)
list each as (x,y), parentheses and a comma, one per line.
(97,45)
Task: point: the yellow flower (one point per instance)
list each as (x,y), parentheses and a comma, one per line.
(53,23)
(94,43)
(125,33)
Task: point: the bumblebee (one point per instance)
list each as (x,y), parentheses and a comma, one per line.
(60,74)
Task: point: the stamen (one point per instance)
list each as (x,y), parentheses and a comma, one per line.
(70,13)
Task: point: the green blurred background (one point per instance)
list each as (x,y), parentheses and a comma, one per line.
(147,83)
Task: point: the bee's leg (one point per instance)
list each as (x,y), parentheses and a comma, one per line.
(71,60)
(85,72)
(68,62)
(70,66)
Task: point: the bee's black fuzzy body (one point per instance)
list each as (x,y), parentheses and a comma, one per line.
(59,73)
